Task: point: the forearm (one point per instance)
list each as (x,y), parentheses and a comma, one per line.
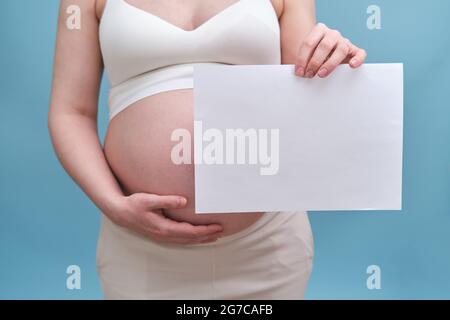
(78,148)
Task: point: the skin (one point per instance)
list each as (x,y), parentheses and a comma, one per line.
(105,173)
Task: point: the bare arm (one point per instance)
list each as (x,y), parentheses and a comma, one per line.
(72,124)
(73,108)
(314,48)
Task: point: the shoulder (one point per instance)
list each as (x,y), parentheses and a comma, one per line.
(278,6)
(99,7)
(297,5)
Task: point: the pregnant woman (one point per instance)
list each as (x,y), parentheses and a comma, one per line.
(152,245)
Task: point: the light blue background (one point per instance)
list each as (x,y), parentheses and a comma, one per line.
(47,223)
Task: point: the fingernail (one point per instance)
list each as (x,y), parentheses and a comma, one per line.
(354,61)
(181,201)
(323,72)
(300,71)
(310,74)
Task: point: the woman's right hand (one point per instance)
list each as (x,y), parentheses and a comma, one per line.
(72,122)
(143,213)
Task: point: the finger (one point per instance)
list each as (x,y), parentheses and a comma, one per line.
(339,55)
(323,51)
(159,225)
(164,202)
(183,241)
(188,231)
(358,59)
(167,238)
(206,239)
(307,48)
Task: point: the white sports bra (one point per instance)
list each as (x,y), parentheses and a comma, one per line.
(145,55)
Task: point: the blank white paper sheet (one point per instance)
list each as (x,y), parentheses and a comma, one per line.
(266,140)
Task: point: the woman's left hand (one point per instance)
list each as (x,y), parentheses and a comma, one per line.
(323,50)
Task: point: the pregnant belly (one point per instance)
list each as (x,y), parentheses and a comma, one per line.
(138,149)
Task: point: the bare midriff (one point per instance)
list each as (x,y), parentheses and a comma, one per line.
(138,148)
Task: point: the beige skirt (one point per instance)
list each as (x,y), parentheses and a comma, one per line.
(270,259)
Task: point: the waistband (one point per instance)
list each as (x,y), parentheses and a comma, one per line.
(174,77)
(265,218)
(268,220)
